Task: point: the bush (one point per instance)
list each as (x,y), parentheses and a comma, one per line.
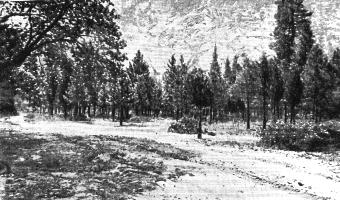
(185,125)
(139,119)
(303,136)
(80,118)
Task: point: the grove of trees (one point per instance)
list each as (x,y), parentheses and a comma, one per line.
(65,57)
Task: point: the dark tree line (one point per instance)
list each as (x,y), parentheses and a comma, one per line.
(76,68)
(300,81)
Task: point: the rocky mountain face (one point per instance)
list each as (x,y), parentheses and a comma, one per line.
(160,28)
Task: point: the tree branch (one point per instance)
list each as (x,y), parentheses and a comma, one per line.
(42,34)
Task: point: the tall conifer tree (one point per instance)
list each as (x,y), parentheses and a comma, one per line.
(216,84)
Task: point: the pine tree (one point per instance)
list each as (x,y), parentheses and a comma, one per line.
(236,67)
(185,96)
(293,41)
(319,81)
(113,60)
(284,32)
(66,68)
(304,36)
(248,82)
(78,91)
(86,57)
(176,92)
(200,92)
(171,86)
(276,87)
(245,87)
(125,95)
(51,71)
(234,102)
(157,98)
(139,66)
(227,72)
(335,61)
(143,84)
(303,44)
(265,74)
(294,91)
(216,85)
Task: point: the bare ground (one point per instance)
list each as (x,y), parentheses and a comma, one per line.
(229,166)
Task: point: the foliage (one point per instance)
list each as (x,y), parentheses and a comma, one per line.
(227,72)
(245,85)
(302,136)
(319,79)
(147,93)
(284,32)
(217,86)
(139,119)
(175,88)
(265,74)
(293,41)
(185,125)
(294,91)
(276,90)
(40,25)
(201,94)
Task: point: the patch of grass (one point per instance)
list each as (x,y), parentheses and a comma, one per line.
(100,167)
(302,136)
(145,145)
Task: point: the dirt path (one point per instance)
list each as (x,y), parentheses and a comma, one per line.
(229,166)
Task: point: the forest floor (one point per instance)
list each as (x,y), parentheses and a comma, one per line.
(55,159)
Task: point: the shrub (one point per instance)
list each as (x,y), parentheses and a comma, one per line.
(139,119)
(80,118)
(303,136)
(29,117)
(185,125)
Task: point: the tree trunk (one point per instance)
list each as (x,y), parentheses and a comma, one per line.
(7,98)
(89,111)
(248,112)
(286,113)
(65,110)
(278,110)
(199,134)
(94,109)
(75,110)
(211,114)
(292,114)
(264,112)
(127,112)
(113,112)
(50,108)
(121,115)
(7,90)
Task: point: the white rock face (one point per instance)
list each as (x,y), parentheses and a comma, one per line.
(160,28)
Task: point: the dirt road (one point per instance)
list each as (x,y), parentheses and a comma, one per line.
(229,166)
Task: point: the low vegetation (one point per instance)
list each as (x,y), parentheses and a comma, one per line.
(100,167)
(185,125)
(302,136)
